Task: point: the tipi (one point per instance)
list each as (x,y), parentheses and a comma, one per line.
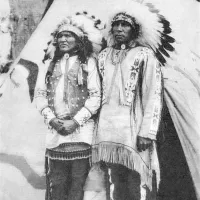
(22,128)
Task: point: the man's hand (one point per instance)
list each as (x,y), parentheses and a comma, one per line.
(56,124)
(143,143)
(68,127)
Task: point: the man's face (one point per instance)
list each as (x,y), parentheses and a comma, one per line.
(122,32)
(66,41)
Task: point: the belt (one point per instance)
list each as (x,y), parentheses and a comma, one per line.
(70,151)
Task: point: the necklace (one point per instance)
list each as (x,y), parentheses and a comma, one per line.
(117,55)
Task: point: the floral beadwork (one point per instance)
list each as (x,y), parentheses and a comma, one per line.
(101,62)
(82,116)
(157,105)
(40,93)
(133,77)
(133,74)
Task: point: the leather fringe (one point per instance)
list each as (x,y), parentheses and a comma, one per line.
(124,155)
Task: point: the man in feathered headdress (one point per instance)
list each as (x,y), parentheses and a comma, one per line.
(68,96)
(132,99)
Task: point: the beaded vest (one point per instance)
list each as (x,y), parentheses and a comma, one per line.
(76,93)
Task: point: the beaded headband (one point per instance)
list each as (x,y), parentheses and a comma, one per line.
(70,28)
(123,17)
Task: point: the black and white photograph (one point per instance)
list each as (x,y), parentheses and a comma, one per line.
(99,100)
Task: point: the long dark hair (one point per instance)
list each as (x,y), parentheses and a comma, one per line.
(84,49)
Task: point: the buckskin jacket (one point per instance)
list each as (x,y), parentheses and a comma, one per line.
(131,107)
(69,89)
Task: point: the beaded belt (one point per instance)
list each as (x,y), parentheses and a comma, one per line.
(69,151)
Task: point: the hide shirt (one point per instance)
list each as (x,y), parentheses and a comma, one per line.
(51,101)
